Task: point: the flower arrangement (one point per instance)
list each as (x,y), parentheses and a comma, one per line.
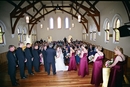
(78,52)
(91,57)
(67,55)
(109,62)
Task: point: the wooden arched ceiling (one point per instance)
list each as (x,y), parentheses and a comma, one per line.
(38,9)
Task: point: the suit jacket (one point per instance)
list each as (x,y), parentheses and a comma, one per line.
(50,54)
(11,62)
(44,54)
(20,55)
(28,54)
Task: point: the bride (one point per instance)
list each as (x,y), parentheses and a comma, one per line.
(60,66)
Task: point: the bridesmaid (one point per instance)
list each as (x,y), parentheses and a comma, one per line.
(36,60)
(83,67)
(72,63)
(97,67)
(116,73)
(77,55)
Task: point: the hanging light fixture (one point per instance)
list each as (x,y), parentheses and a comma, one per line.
(79,18)
(27,19)
(41,26)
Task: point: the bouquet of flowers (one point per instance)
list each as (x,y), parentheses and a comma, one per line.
(79,53)
(91,57)
(67,55)
(109,62)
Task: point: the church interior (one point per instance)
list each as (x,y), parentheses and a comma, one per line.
(96,22)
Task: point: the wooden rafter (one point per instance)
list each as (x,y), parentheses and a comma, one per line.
(39,19)
(97,14)
(79,6)
(84,20)
(127,7)
(34,7)
(23,10)
(86,28)
(36,14)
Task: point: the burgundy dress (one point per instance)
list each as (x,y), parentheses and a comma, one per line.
(97,71)
(116,75)
(83,67)
(72,63)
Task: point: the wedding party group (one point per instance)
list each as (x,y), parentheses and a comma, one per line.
(64,56)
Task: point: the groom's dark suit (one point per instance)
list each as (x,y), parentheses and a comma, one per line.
(50,56)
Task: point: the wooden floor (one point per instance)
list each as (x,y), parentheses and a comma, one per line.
(41,79)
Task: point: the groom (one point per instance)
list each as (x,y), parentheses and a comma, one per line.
(50,56)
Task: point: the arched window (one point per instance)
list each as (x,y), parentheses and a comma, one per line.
(24,34)
(116,22)
(107,32)
(1,36)
(51,23)
(116,31)
(66,22)
(94,35)
(59,22)
(19,35)
(91,35)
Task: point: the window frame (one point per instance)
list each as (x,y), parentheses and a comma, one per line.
(114,20)
(94,35)
(66,23)
(51,27)
(2,35)
(60,22)
(3,28)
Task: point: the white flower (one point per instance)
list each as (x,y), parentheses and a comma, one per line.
(91,57)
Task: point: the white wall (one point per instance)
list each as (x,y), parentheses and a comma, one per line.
(59,34)
(108,12)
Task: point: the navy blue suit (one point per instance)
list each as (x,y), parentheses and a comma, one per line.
(45,59)
(36,60)
(11,66)
(21,59)
(51,53)
(29,57)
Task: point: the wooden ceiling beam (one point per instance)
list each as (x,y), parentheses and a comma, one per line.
(93,5)
(97,22)
(52,3)
(27,7)
(80,14)
(16,7)
(35,21)
(34,7)
(86,28)
(36,14)
(79,7)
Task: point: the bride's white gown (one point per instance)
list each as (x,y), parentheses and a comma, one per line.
(60,66)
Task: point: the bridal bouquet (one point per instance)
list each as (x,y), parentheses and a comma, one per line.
(91,57)
(67,55)
(79,53)
(109,62)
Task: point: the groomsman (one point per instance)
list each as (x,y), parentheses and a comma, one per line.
(12,65)
(44,57)
(21,60)
(29,57)
(51,53)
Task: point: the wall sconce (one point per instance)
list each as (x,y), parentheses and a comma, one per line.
(27,19)
(72,24)
(41,26)
(47,28)
(79,18)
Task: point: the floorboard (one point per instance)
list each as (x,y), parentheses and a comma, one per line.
(41,79)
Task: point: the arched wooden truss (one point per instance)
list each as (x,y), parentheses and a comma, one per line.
(90,10)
